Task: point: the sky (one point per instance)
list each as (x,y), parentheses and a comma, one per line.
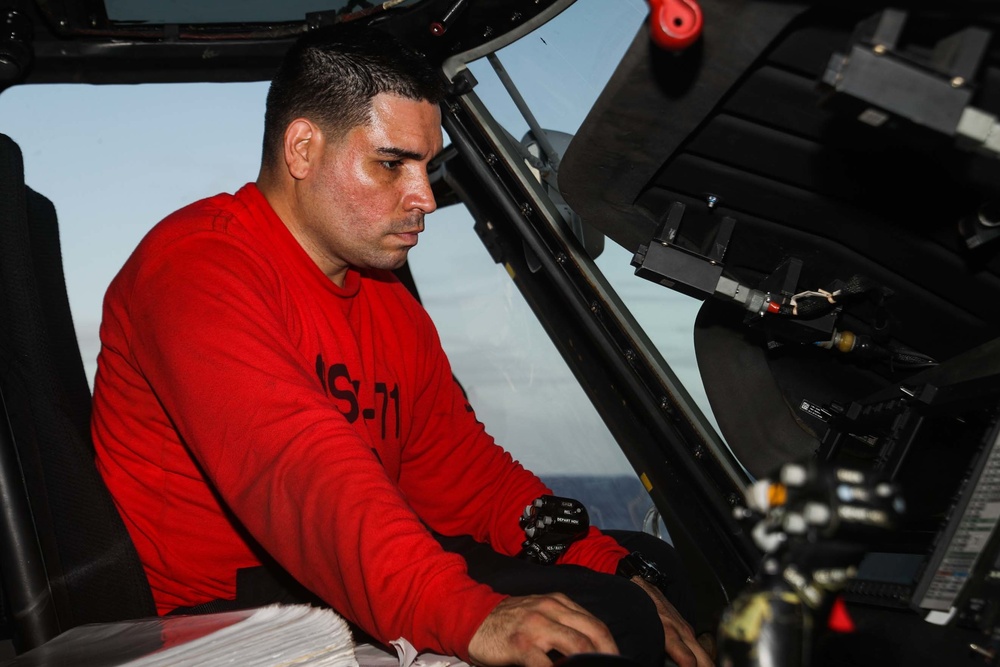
(116,159)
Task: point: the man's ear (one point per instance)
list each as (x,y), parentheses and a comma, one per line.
(302,145)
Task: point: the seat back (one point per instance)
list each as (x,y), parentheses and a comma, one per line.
(65,555)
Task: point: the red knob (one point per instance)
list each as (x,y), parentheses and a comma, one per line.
(674,25)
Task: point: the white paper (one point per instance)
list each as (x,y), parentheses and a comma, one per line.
(272,636)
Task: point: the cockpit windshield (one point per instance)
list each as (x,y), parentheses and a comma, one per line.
(116,159)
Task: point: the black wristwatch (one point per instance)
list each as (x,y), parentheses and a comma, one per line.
(637,565)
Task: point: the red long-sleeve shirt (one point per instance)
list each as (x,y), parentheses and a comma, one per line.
(244,399)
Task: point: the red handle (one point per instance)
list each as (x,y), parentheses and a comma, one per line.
(674,25)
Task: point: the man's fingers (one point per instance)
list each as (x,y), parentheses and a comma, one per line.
(707,642)
(565,600)
(535,657)
(684,651)
(550,623)
(522,630)
(679,640)
(579,619)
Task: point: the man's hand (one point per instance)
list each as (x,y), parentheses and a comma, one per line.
(522,630)
(681,644)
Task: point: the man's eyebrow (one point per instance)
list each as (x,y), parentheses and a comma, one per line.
(392,151)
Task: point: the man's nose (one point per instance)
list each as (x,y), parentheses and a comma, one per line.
(420,196)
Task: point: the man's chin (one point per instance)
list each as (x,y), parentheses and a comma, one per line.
(390,262)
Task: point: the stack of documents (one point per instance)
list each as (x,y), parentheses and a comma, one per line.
(274,635)
(265,637)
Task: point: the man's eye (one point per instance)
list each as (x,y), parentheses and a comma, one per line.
(391,165)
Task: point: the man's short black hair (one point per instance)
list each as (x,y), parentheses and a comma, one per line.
(330,77)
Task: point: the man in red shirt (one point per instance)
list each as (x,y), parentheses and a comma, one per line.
(268,393)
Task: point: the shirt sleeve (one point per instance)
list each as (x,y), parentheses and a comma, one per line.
(209,335)
(462,483)
(596,551)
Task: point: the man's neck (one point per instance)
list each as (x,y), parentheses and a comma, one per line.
(281,202)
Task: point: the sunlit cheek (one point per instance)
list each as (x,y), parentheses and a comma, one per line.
(359,187)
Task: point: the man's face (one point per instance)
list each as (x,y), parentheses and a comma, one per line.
(365,202)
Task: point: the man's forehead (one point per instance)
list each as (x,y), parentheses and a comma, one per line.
(400,124)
